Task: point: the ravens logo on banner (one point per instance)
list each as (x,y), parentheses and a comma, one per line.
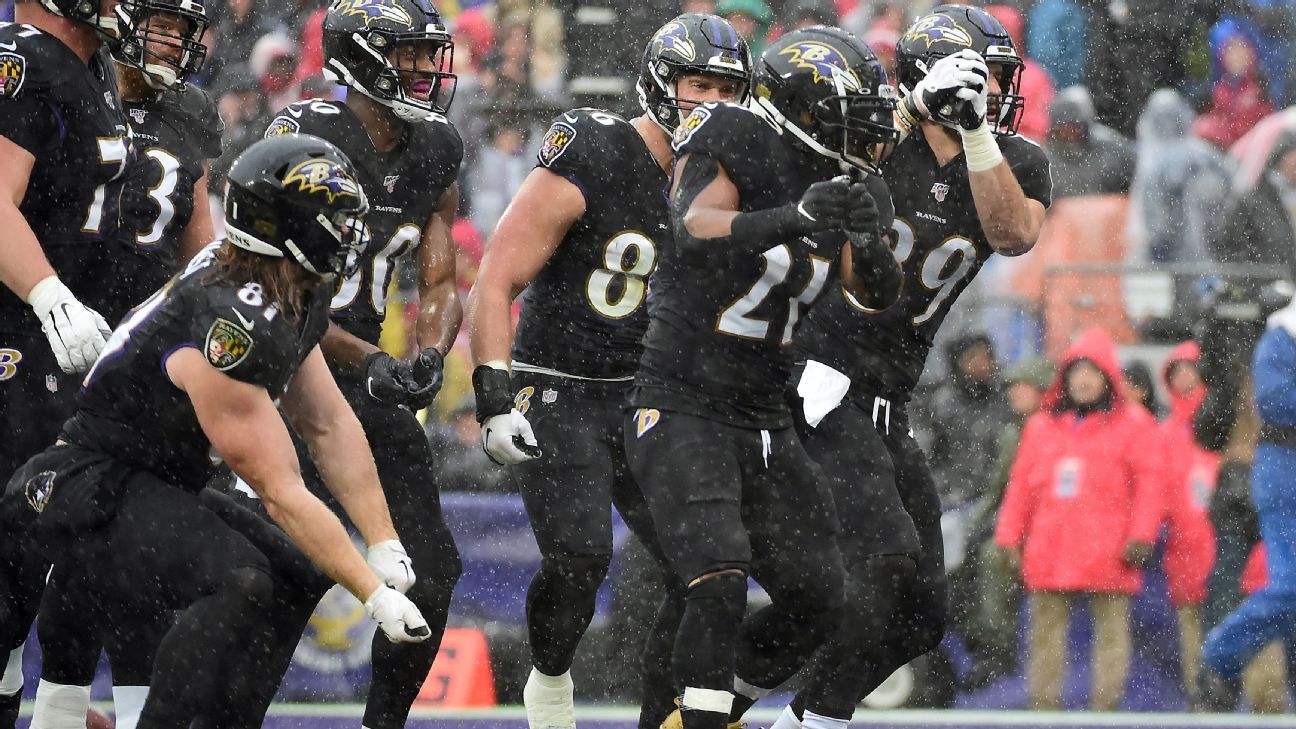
(13,71)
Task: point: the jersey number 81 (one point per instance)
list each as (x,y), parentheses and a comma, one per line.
(619,288)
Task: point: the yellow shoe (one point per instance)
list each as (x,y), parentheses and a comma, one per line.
(675,721)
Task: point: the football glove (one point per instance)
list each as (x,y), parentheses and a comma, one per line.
(386,378)
(399,619)
(426,376)
(936,96)
(972,98)
(824,204)
(862,214)
(508,439)
(392,565)
(76,333)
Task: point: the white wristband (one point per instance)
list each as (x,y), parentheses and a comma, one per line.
(980,149)
(46,294)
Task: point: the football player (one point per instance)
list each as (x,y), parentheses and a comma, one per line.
(965,187)
(766,224)
(63,139)
(582,237)
(395,57)
(196,370)
(162,219)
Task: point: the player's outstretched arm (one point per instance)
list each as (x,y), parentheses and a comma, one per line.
(545,207)
(244,426)
(440,311)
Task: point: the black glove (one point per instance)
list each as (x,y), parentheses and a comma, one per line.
(862,214)
(824,204)
(387,379)
(426,377)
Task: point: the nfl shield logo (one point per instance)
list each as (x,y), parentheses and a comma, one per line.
(939,191)
(549,396)
(389,182)
(139,115)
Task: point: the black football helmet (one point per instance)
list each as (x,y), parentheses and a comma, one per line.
(359,36)
(84,11)
(134,34)
(296,195)
(826,88)
(948,29)
(691,43)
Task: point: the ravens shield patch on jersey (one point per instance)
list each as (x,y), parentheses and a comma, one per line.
(227,345)
(556,141)
(282,125)
(38,490)
(13,71)
(689,127)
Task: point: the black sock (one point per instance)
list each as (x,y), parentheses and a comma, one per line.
(559,606)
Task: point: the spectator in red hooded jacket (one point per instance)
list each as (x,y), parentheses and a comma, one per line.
(1190,473)
(1239,99)
(1080,515)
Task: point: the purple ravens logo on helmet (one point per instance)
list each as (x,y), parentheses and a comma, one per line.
(828,64)
(674,37)
(324,177)
(936,28)
(375,10)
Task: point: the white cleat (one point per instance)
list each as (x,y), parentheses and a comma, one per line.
(549,701)
(787,720)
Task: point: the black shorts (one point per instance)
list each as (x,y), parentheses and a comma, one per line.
(35,398)
(570,491)
(403,457)
(864,464)
(725,497)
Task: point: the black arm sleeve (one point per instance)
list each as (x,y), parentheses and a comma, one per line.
(876,271)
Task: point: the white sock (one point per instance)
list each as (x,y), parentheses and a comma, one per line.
(59,706)
(128,702)
(811,720)
(548,700)
(787,720)
(563,681)
(11,680)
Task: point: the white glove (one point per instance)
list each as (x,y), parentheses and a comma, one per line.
(392,565)
(937,96)
(973,96)
(399,619)
(76,333)
(508,440)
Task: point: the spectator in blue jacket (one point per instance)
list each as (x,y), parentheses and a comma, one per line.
(1270,613)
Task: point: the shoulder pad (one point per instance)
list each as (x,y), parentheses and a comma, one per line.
(198,109)
(246,340)
(440,143)
(32,61)
(303,117)
(1030,165)
(717,128)
(578,137)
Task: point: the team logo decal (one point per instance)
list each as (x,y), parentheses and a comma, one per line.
(322,176)
(51,383)
(372,10)
(38,490)
(938,28)
(939,191)
(282,125)
(673,37)
(645,420)
(828,63)
(13,71)
(227,345)
(685,131)
(9,359)
(522,400)
(389,182)
(556,141)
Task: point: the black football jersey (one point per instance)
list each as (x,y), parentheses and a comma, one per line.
(585,314)
(69,117)
(939,242)
(129,409)
(403,187)
(722,317)
(175,134)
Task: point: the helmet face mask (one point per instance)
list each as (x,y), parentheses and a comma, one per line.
(161,38)
(693,43)
(397,52)
(948,29)
(827,89)
(296,196)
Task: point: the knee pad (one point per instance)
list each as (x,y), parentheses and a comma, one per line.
(587,571)
(727,589)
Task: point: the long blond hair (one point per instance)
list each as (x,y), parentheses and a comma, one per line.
(283,281)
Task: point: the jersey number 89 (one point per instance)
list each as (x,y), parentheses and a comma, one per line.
(618,289)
